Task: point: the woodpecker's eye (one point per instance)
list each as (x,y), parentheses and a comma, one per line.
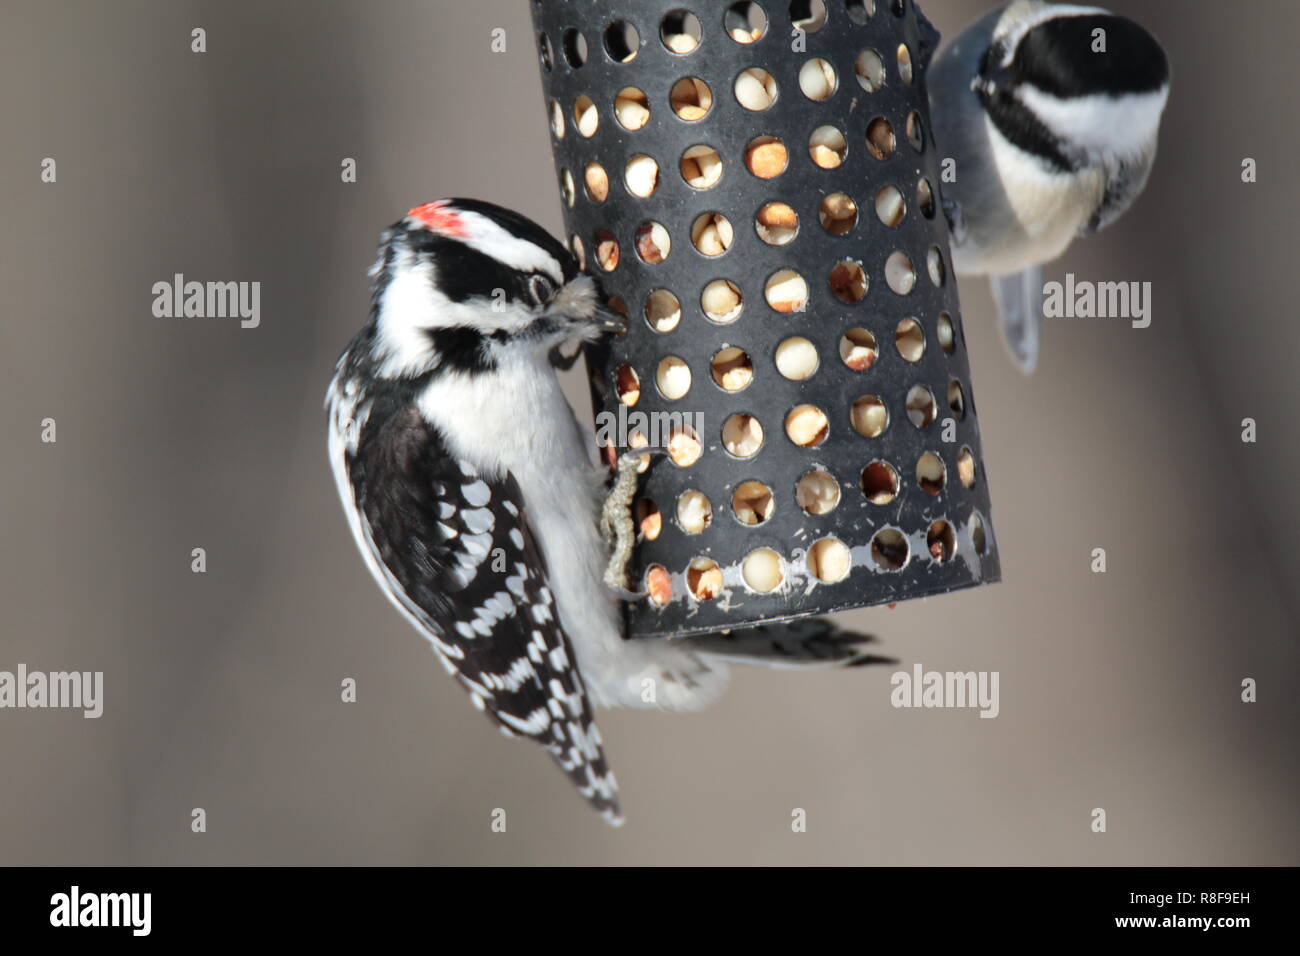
(541,288)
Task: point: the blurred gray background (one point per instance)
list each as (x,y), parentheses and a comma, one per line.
(1118,690)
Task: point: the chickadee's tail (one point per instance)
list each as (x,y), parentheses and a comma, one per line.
(807,642)
(1019,298)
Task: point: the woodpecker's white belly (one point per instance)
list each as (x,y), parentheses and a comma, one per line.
(517,420)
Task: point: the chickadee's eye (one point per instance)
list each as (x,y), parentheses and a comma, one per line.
(541,288)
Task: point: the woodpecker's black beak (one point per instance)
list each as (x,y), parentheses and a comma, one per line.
(608,321)
(582,310)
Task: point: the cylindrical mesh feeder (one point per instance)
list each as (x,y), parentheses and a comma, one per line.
(754,183)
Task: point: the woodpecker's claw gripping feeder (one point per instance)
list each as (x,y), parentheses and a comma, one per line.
(754,184)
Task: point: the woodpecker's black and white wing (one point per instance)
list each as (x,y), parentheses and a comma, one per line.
(453,550)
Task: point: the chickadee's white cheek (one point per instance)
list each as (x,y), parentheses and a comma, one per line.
(1119,126)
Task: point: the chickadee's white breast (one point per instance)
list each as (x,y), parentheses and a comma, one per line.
(1042,211)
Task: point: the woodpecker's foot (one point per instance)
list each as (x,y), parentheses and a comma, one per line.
(642,456)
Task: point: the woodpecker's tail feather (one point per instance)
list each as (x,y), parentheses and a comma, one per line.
(806,642)
(581,755)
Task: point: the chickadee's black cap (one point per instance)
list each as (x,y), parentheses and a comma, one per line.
(1066,57)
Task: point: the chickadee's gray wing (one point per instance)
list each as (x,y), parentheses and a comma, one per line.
(1019,298)
(1125,181)
(456,554)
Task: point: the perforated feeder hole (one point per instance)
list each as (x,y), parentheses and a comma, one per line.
(966,467)
(684,447)
(869,416)
(930,473)
(941,540)
(732,369)
(701,167)
(838,214)
(956,400)
(721,301)
(653,244)
(921,410)
(575,47)
(742,435)
(817,493)
(762,571)
(909,338)
(622,42)
(808,16)
(662,311)
(694,512)
(680,31)
(752,502)
(829,560)
(673,378)
(659,585)
(585,116)
(858,349)
(712,234)
(648,519)
(880,482)
(818,80)
(745,22)
(947,337)
(787,291)
(607,251)
(641,175)
(596,181)
(755,89)
(777,224)
(889,549)
(796,358)
(755,182)
(631,108)
(691,98)
(880,138)
(890,207)
(704,579)
(827,147)
(628,385)
(978,538)
(848,281)
(807,426)
(766,157)
(869,69)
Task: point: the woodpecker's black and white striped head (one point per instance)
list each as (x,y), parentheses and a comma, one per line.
(1074,86)
(462,285)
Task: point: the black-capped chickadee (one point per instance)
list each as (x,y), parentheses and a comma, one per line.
(1051,114)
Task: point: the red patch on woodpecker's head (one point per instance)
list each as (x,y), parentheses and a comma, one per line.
(438,217)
